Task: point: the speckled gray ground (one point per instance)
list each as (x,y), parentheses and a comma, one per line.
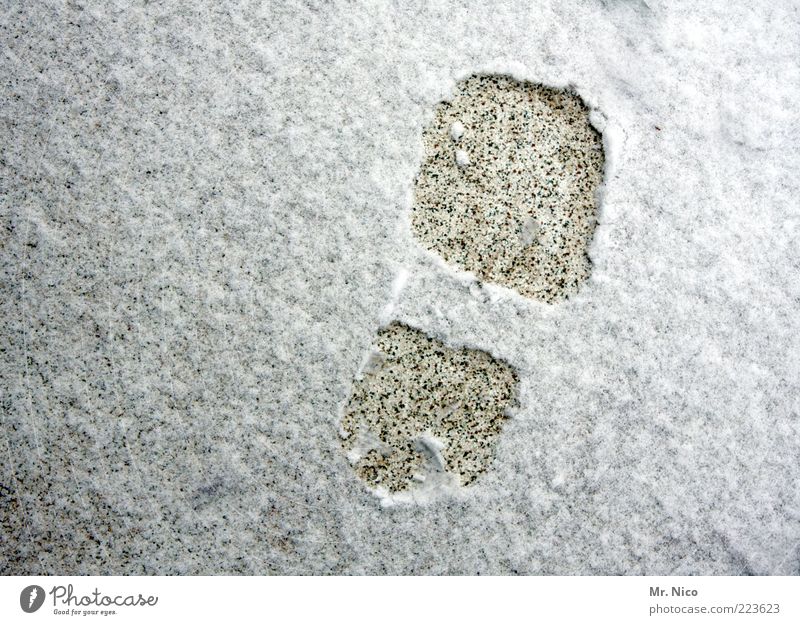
(521,208)
(205,218)
(421,410)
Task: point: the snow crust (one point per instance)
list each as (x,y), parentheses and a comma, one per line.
(206,221)
(462,158)
(456,130)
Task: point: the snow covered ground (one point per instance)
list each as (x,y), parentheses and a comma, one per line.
(206,220)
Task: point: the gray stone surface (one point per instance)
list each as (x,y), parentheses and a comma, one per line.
(509,183)
(423,412)
(206,220)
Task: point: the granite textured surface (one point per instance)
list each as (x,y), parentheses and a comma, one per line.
(206,220)
(422,412)
(509,183)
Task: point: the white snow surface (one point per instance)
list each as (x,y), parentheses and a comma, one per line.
(456,130)
(206,213)
(462,158)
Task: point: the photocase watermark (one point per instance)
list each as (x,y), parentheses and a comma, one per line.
(67,602)
(31,598)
